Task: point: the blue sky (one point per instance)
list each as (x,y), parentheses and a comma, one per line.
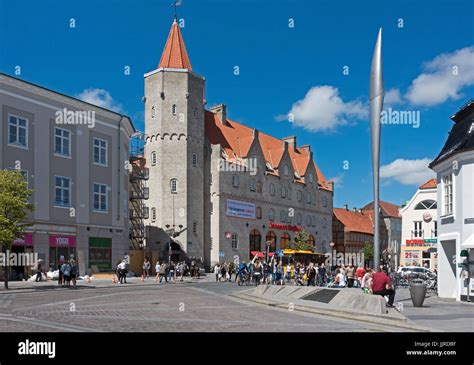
(428,68)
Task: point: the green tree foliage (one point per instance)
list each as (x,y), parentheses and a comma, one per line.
(368,251)
(14,208)
(301,241)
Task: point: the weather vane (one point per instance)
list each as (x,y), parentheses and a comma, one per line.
(175,4)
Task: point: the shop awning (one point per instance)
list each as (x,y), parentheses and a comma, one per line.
(260,254)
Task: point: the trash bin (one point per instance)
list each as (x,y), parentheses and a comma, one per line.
(418,293)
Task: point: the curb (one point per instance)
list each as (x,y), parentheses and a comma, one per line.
(404,324)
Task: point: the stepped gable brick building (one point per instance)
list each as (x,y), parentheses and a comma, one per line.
(220,189)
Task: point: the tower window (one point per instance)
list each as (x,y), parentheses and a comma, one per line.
(252,185)
(153,214)
(174,186)
(195,227)
(286,170)
(152,111)
(195,160)
(235,181)
(173,109)
(153,158)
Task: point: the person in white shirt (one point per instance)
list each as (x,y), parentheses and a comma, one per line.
(157,270)
(288,273)
(339,280)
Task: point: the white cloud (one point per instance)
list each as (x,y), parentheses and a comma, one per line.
(338,180)
(100,97)
(392,97)
(323,109)
(439,81)
(408,172)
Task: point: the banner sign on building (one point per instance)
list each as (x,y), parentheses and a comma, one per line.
(27,240)
(240,209)
(62,241)
(285,227)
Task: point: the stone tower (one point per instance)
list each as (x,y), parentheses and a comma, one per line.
(174,126)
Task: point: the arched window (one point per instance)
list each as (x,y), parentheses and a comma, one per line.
(311,240)
(255,240)
(271,214)
(153,214)
(259,212)
(284,240)
(308,220)
(299,218)
(270,240)
(324,223)
(152,111)
(173,109)
(195,160)
(235,181)
(174,186)
(426,204)
(299,195)
(311,178)
(286,170)
(153,158)
(252,185)
(259,186)
(272,189)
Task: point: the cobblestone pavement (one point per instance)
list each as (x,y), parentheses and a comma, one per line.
(182,307)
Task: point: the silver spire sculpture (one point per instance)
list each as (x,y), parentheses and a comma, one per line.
(376,104)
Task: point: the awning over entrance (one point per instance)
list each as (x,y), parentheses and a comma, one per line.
(260,254)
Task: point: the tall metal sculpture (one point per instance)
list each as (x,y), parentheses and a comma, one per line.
(376,104)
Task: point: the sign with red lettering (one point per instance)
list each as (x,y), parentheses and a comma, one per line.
(285,227)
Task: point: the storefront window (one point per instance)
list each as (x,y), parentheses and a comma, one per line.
(100,253)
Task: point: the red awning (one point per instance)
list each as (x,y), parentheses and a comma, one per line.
(260,254)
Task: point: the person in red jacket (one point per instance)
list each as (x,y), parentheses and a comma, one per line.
(360,272)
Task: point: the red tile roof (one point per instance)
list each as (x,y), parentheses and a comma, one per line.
(388,209)
(236,140)
(430,184)
(354,221)
(175,54)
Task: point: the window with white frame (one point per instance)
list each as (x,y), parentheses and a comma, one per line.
(62,191)
(174,186)
(235,181)
(173,109)
(153,158)
(195,160)
(18,131)
(448,194)
(100,151)
(417,231)
(62,142)
(100,197)
(235,241)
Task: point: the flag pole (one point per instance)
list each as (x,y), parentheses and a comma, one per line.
(376,105)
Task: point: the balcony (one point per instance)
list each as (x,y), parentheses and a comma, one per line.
(144,193)
(139,174)
(143,213)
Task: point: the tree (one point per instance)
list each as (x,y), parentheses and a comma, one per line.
(368,251)
(14,208)
(301,241)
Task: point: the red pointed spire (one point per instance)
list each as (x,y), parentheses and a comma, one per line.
(175,54)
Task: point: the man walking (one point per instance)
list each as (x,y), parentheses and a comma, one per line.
(350,274)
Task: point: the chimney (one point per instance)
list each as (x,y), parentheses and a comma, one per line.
(255,134)
(355,209)
(346,207)
(291,141)
(306,147)
(221,111)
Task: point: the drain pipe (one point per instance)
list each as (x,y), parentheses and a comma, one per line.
(119,125)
